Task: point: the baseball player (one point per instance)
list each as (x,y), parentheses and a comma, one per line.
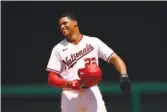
(77,51)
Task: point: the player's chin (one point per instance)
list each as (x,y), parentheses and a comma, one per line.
(65,34)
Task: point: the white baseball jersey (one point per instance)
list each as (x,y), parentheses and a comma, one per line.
(66,58)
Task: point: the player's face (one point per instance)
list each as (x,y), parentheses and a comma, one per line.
(66,26)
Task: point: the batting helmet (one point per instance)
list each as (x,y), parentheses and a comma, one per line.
(90,75)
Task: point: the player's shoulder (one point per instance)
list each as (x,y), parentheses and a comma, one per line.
(61,45)
(91,38)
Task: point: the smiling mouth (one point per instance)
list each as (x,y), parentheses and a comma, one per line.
(64,31)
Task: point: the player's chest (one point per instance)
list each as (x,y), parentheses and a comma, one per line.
(73,53)
(77,51)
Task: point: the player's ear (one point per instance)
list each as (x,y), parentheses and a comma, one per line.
(75,23)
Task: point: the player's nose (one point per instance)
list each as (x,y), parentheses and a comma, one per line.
(62,27)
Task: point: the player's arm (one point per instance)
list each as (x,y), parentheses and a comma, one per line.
(108,55)
(54,67)
(56,81)
(121,67)
(118,64)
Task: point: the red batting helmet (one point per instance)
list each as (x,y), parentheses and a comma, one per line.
(90,75)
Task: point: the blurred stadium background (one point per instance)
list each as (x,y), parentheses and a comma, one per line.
(135,30)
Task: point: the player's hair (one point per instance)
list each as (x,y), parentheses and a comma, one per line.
(69,15)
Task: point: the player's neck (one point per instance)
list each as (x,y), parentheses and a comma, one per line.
(76,38)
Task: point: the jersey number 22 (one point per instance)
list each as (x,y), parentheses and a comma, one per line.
(89,61)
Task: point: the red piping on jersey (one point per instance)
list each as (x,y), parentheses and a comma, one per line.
(52,70)
(109,56)
(79,40)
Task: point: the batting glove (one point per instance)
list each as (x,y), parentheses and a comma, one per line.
(125,85)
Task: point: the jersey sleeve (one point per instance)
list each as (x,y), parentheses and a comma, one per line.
(55,62)
(104,51)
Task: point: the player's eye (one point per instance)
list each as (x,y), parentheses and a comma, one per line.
(64,23)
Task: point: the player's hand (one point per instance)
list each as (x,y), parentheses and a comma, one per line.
(125,84)
(74,84)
